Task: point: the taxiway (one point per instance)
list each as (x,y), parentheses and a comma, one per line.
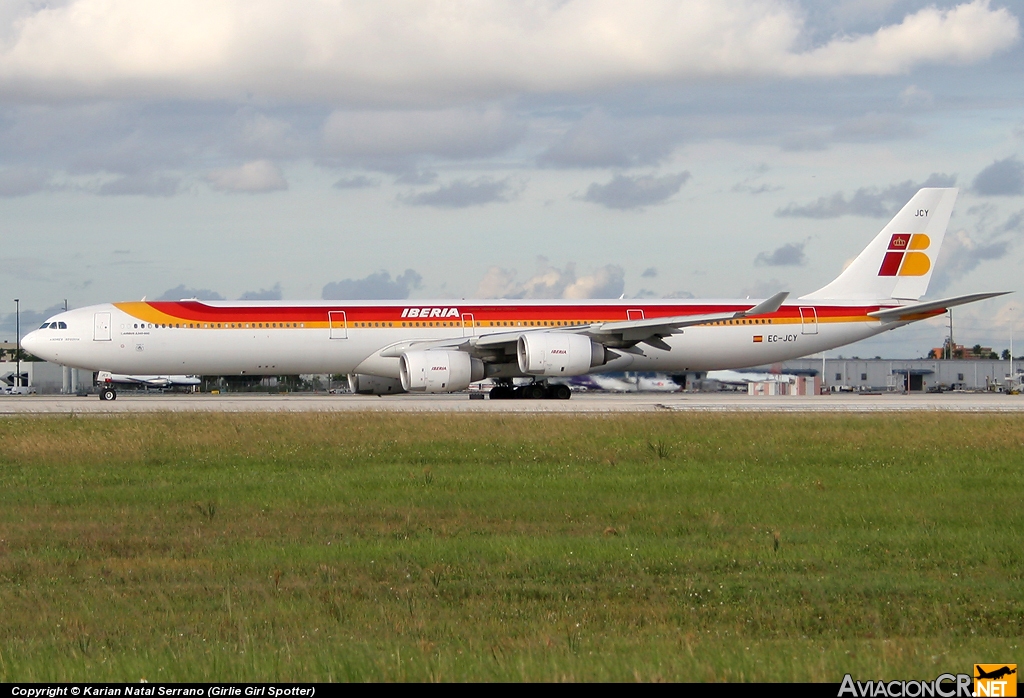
(581,403)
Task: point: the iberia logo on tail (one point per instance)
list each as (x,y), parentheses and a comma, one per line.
(905,256)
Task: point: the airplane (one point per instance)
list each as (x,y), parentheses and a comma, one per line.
(443,346)
(106,378)
(624,383)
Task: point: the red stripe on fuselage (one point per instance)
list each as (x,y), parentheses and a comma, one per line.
(197,311)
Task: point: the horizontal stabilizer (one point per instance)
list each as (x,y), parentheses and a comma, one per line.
(906,312)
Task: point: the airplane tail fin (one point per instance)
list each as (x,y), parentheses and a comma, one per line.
(899,262)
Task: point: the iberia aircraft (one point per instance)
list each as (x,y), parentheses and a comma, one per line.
(444,346)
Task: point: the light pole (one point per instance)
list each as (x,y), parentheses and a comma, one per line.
(17,331)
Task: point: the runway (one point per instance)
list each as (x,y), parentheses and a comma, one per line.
(581,403)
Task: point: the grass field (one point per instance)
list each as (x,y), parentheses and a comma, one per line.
(478,547)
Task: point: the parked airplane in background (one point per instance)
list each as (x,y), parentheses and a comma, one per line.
(444,346)
(108,380)
(624,382)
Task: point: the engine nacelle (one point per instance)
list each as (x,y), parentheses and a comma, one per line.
(558,354)
(364,384)
(439,371)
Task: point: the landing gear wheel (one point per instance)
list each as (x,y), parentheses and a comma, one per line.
(107,394)
(561,392)
(534,392)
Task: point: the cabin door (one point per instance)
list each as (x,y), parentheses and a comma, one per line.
(101,327)
(808,321)
(339,324)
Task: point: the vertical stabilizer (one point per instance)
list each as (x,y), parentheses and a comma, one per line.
(899,261)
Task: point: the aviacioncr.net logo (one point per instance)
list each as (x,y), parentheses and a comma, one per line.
(995,680)
(943,686)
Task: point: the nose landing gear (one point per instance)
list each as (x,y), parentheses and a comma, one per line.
(107,394)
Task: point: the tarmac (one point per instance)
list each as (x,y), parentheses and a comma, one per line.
(581,403)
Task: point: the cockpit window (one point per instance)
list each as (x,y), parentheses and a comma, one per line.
(62,325)
(44,325)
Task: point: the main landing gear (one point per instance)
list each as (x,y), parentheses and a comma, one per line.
(531,391)
(107,394)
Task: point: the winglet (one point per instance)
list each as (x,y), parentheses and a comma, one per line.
(766,307)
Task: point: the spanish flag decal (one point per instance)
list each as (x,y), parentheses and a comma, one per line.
(758,338)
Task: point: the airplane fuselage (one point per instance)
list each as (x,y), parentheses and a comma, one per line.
(277,338)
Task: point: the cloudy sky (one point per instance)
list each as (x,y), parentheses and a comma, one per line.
(521,149)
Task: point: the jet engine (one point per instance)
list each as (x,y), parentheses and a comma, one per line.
(439,371)
(364,384)
(557,354)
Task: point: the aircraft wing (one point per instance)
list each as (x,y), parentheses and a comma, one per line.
(623,335)
(396,350)
(911,312)
(488,346)
(652,331)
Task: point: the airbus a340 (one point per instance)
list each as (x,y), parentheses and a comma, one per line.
(444,346)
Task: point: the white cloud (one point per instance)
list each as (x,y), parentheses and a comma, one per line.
(763,289)
(866,201)
(374,286)
(141,185)
(913,97)
(1001,178)
(789,255)
(356,182)
(259,135)
(961,254)
(497,283)
(434,51)
(964,34)
(598,140)
(1007,319)
(251,178)
(453,133)
(264,294)
(22,181)
(463,193)
(606,282)
(625,192)
(552,282)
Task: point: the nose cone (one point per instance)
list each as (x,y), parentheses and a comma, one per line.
(34,344)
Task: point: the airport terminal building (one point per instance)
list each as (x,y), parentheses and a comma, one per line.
(882,375)
(46,378)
